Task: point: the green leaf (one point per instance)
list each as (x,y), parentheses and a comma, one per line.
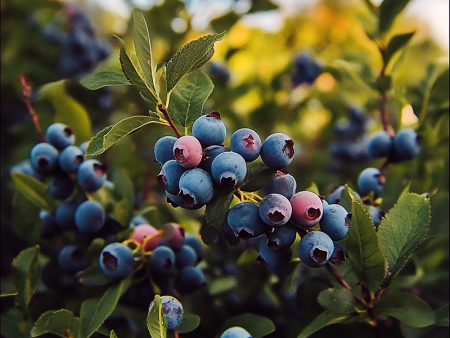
(124,190)
(95,146)
(133,76)
(409,309)
(12,325)
(257,326)
(209,233)
(258,176)
(248,256)
(93,276)
(191,57)
(396,43)
(104,75)
(112,334)
(68,110)
(442,315)
(94,311)
(217,209)
(388,11)
(307,293)
(313,187)
(324,319)
(103,196)
(337,299)
(222,284)
(143,47)
(190,323)
(382,84)
(8,288)
(161,83)
(363,248)
(262,5)
(401,231)
(187,99)
(347,197)
(27,224)
(34,190)
(156,321)
(26,274)
(59,322)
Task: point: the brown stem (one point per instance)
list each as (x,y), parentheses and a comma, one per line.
(342,281)
(383,99)
(26,92)
(163,110)
(175,333)
(384,166)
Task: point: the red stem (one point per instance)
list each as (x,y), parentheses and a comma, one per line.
(163,110)
(26,92)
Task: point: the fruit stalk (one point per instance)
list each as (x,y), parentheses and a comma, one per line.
(163,110)
(26,92)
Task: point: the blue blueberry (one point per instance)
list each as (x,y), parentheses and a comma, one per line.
(283,184)
(407,143)
(196,187)
(275,210)
(61,185)
(116,261)
(235,332)
(380,144)
(209,129)
(339,255)
(162,260)
(163,149)
(277,151)
(335,221)
(91,175)
(245,221)
(247,143)
(89,217)
(44,158)
(83,146)
(229,169)
(275,259)
(172,310)
(70,159)
(185,256)
(315,249)
(59,135)
(375,214)
(189,279)
(232,238)
(169,176)
(49,226)
(136,220)
(371,179)
(195,243)
(219,72)
(178,201)
(282,237)
(71,259)
(335,194)
(65,214)
(25,167)
(306,69)
(209,155)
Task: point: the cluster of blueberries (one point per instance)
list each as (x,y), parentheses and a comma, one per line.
(175,255)
(194,167)
(306,69)
(81,50)
(350,141)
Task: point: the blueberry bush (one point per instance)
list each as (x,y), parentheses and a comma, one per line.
(230,183)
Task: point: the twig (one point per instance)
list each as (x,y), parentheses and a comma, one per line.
(163,110)
(26,92)
(342,281)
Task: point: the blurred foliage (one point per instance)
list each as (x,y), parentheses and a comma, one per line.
(259,95)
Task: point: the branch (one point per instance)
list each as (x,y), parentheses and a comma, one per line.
(163,110)
(26,92)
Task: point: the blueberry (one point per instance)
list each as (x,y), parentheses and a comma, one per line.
(375,214)
(281,237)
(335,194)
(177,235)
(71,259)
(219,72)
(335,221)
(89,217)
(307,209)
(187,151)
(245,221)
(315,249)
(25,167)
(169,176)
(275,210)
(178,201)
(195,243)
(143,231)
(196,187)
(274,258)
(209,129)
(235,332)
(70,159)
(91,175)
(163,149)
(136,220)
(61,185)
(232,238)
(229,169)
(209,155)
(162,260)
(283,184)
(380,144)
(59,135)
(65,214)
(49,226)
(371,179)
(247,143)
(189,279)
(185,256)
(407,144)
(339,255)
(172,310)
(116,261)
(83,146)
(44,158)
(277,151)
